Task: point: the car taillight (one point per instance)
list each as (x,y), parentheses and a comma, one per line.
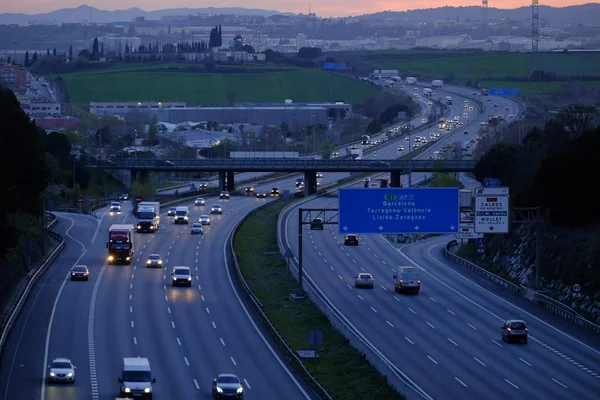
(419,281)
(526,329)
(508,329)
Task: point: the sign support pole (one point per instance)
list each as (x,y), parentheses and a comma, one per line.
(305,217)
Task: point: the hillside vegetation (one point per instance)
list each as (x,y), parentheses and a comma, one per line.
(553,168)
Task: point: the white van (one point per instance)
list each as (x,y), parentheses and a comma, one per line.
(182,215)
(136,379)
(407,280)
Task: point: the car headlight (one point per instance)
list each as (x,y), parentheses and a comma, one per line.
(148,262)
(127,390)
(219,390)
(139,227)
(127,258)
(110,258)
(160,261)
(72,273)
(240,390)
(147,390)
(52,374)
(174,278)
(190,278)
(70,374)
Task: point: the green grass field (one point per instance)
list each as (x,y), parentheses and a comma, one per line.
(193,84)
(492,69)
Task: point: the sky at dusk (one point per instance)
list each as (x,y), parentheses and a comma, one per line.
(328,8)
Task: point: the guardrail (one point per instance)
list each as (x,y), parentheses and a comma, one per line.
(554,306)
(259,307)
(10,316)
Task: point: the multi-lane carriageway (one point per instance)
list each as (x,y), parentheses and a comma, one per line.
(189,334)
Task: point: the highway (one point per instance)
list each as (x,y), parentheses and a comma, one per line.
(447,339)
(189,334)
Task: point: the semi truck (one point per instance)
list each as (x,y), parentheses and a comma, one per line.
(448,100)
(148,216)
(411,80)
(427,92)
(438,83)
(120,244)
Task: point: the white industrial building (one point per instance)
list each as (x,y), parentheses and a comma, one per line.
(118,44)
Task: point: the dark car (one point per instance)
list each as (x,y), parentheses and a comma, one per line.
(261,195)
(224,195)
(249,191)
(316,224)
(227,386)
(124,197)
(80,273)
(514,330)
(171,212)
(351,240)
(275,192)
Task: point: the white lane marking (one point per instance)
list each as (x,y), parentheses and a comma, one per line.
(432,360)
(471,326)
(222,341)
(250,318)
(173,324)
(450,311)
(560,383)
(178,341)
(389,323)
(360,297)
(339,276)
(496,343)
(412,311)
(130,297)
(91,344)
(196,383)
(428,323)
(247,384)
(214,325)
(408,340)
(233,361)
(207,310)
(432,299)
(524,362)
(452,341)
(132,325)
(169,310)
(97,230)
(511,384)
(461,382)
(186,361)
(374,310)
(479,361)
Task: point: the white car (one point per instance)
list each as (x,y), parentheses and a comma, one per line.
(182,276)
(61,370)
(197,228)
(115,207)
(154,260)
(204,220)
(199,202)
(364,279)
(216,209)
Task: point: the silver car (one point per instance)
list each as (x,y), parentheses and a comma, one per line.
(364,279)
(204,220)
(514,330)
(197,228)
(216,209)
(154,261)
(61,370)
(199,202)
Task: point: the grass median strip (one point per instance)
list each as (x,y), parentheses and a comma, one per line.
(342,370)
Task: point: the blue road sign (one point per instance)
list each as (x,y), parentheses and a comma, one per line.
(480,245)
(492,182)
(504,92)
(399,210)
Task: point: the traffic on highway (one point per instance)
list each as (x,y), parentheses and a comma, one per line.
(159,313)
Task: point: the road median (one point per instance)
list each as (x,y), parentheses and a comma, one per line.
(342,370)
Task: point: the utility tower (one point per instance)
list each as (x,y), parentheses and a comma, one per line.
(484,8)
(535,25)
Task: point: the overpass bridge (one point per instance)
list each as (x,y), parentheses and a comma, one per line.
(227,167)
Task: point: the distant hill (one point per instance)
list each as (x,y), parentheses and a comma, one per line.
(586,14)
(91,14)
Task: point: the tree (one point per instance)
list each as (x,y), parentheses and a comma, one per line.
(34,58)
(25,171)
(71,53)
(500,163)
(26,62)
(54,52)
(444,180)
(578,118)
(152,139)
(238,43)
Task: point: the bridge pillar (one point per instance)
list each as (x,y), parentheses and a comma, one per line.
(310,182)
(140,175)
(395,179)
(222,179)
(230,181)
